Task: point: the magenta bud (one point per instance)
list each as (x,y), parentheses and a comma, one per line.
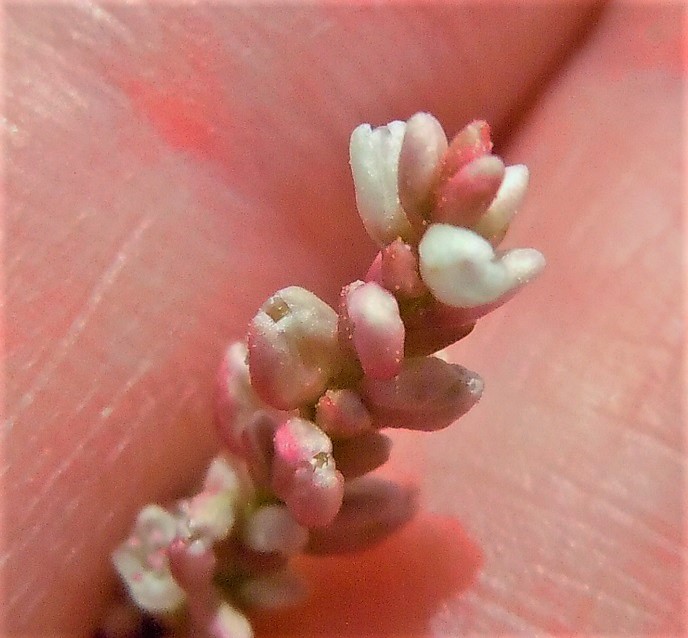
(464,198)
(341,414)
(292,348)
(371,324)
(428,394)
(362,454)
(304,473)
(399,271)
(372,510)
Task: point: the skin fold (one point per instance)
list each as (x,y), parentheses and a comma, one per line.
(169,168)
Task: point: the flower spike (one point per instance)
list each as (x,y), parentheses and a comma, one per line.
(303,399)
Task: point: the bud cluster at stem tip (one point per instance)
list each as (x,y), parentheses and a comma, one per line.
(301,402)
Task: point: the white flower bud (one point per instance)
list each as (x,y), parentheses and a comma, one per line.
(374,155)
(461,269)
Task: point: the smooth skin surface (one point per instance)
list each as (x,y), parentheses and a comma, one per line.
(169,168)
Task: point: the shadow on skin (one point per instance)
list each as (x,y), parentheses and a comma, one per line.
(390,590)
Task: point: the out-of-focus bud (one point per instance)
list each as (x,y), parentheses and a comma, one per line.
(272,528)
(292,348)
(273,591)
(465,197)
(142,563)
(469,143)
(374,155)
(229,623)
(428,394)
(422,148)
(208,515)
(372,510)
(341,414)
(461,269)
(192,564)
(370,322)
(495,222)
(304,473)
(362,454)
(399,271)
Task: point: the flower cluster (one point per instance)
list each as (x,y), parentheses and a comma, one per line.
(302,401)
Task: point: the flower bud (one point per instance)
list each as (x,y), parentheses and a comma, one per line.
(372,510)
(423,147)
(271,528)
(428,394)
(495,222)
(470,142)
(374,155)
(362,454)
(341,414)
(229,623)
(370,322)
(462,270)
(399,271)
(142,563)
(292,348)
(465,197)
(304,473)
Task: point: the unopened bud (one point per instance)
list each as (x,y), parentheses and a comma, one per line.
(372,510)
(370,322)
(341,414)
(362,454)
(399,271)
(304,473)
(465,197)
(271,528)
(374,155)
(469,143)
(495,222)
(423,147)
(428,394)
(462,270)
(229,623)
(292,348)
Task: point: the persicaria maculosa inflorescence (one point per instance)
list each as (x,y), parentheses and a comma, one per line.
(303,399)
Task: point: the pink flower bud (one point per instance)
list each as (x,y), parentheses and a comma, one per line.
(370,322)
(304,473)
(470,142)
(292,348)
(428,394)
(372,510)
(341,414)
(423,147)
(465,197)
(399,271)
(362,454)
(427,332)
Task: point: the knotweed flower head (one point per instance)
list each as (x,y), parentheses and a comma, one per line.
(302,400)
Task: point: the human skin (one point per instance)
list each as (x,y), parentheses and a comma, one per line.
(168,169)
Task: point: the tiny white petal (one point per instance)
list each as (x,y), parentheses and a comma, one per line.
(273,529)
(374,156)
(155,527)
(222,475)
(462,270)
(154,591)
(505,204)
